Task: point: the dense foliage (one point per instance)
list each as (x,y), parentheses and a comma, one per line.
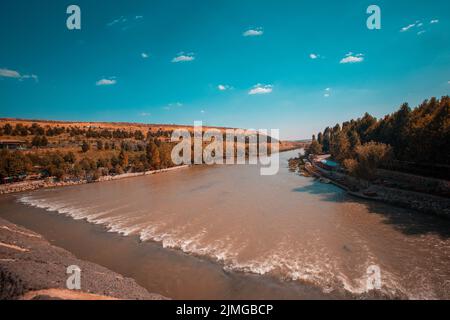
(420,136)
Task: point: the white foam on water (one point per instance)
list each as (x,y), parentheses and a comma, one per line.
(292,265)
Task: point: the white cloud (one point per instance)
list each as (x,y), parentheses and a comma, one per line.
(106,82)
(224,87)
(314,56)
(327,89)
(138,17)
(407,27)
(434,21)
(421,32)
(253,32)
(326,95)
(202,111)
(182,57)
(352,58)
(261,89)
(145,114)
(144,55)
(7,73)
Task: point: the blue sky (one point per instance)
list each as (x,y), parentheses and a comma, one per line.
(294,65)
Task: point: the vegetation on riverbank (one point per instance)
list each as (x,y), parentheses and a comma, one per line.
(410,140)
(72,152)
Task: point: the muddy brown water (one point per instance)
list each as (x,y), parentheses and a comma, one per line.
(226,232)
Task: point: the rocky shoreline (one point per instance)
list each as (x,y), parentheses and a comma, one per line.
(51,183)
(422,202)
(32,268)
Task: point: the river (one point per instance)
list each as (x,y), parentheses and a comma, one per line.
(226,232)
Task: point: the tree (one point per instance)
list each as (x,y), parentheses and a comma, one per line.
(314,148)
(369,157)
(153,155)
(85,146)
(123,159)
(138,135)
(340,148)
(70,157)
(44,141)
(354,140)
(326,140)
(7,129)
(320,138)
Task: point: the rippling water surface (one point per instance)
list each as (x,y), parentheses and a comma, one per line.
(286,226)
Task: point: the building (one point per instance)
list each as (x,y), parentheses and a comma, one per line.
(12,145)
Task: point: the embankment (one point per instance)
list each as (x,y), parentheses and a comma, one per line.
(51,183)
(32,268)
(419,201)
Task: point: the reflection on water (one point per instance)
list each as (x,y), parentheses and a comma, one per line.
(287,226)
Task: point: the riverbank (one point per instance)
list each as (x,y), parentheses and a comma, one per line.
(426,203)
(226,232)
(52,183)
(32,268)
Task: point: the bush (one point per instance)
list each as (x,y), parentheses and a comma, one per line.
(369,156)
(85,147)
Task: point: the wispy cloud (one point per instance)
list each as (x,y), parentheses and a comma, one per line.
(352,58)
(406,28)
(145,114)
(182,57)
(261,89)
(125,23)
(253,32)
(7,73)
(144,55)
(106,82)
(314,56)
(120,20)
(172,105)
(421,32)
(327,92)
(434,21)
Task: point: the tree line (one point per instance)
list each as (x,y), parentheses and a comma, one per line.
(420,136)
(68,165)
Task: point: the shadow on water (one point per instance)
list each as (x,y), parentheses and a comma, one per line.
(327,192)
(407,221)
